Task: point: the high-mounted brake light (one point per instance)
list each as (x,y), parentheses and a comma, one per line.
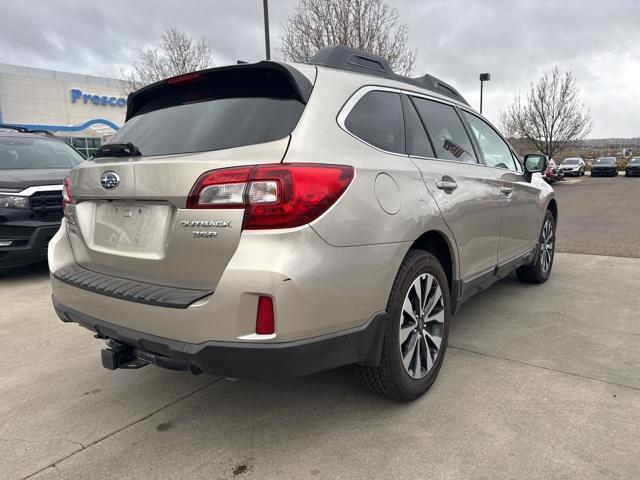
(67,197)
(274,195)
(187,77)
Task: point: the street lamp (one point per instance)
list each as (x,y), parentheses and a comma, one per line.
(484,77)
(265,4)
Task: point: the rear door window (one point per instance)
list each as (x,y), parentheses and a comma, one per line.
(377,119)
(418,143)
(449,137)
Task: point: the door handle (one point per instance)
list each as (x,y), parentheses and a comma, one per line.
(506,190)
(446,185)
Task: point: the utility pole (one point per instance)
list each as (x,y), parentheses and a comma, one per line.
(484,77)
(267,44)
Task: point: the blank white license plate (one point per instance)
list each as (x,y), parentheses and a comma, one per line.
(139,229)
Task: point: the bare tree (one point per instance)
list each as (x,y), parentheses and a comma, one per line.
(177,53)
(552,117)
(369,25)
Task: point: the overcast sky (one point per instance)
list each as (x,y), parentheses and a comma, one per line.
(515,40)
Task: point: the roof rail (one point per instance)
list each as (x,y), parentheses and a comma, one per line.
(13,127)
(20,129)
(347,58)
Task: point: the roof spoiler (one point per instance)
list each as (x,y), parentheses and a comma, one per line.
(354,60)
(298,85)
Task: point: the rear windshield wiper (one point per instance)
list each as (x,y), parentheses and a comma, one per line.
(117,150)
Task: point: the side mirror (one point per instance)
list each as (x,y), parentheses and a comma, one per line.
(534,163)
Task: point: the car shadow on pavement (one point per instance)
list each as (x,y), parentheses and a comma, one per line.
(30,272)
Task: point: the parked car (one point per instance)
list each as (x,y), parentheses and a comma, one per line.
(633,167)
(273,220)
(32,168)
(572,167)
(552,173)
(605,167)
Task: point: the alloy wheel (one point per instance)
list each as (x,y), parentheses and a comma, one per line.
(421,326)
(546,245)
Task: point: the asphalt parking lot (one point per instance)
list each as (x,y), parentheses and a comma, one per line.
(600,215)
(539,382)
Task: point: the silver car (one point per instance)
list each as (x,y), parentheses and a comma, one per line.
(273,220)
(573,166)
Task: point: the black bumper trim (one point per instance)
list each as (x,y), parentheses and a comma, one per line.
(361,345)
(131,290)
(32,247)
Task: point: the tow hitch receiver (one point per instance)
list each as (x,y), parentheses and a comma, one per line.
(119,355)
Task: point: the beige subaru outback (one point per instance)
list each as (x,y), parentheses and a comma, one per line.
(274,220)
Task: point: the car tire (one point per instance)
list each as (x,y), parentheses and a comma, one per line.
(395,377)
(540,270)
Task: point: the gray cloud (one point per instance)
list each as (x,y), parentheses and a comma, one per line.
(515,40)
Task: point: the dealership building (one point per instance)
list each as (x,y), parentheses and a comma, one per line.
(84,110)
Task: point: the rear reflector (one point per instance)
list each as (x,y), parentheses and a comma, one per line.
(274,195)
(265,321)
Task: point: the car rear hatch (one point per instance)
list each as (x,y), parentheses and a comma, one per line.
(128,216)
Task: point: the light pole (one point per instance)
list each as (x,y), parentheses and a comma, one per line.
(265,4)
(484,77)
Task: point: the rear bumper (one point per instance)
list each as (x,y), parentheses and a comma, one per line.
(245,359)
(29,240)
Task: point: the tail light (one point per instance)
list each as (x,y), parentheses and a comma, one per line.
(265,319)
(273,195)
(67,197)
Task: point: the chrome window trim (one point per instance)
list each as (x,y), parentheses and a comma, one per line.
(362,91)
(353,100)
(29,191)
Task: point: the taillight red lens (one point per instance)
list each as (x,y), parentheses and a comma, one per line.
(274,195)
(67,197)
(265,319)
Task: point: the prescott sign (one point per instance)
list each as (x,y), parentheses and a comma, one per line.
(78,95)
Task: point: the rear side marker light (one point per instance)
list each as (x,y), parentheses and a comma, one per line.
(274,195)
(265,319)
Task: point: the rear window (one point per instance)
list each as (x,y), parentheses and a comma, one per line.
(18,153)
(211,125)
(216,110)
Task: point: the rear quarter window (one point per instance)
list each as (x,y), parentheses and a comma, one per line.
(377,119)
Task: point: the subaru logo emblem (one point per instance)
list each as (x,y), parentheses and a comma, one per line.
(110,180)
